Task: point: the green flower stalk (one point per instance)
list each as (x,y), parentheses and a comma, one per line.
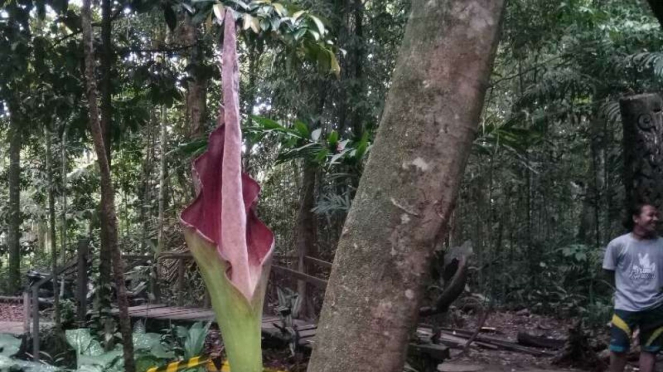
(232,247)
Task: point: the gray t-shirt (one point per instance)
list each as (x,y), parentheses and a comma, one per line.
(638,266)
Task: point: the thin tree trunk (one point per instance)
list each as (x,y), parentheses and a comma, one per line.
(105,254)
(196,95)
(63,233)
(306,230)
(144,192)
(109,219)
(356,120)
(162,183)
(14,232)
(51,228)
(411,180)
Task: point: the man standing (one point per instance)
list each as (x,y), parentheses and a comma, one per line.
(635,263)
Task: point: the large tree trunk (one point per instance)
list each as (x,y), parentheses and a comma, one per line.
(108,216)
(409,185)
(14,220)
(643,156)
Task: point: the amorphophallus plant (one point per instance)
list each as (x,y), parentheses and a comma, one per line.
(231,246)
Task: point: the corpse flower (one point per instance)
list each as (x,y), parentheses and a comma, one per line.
(231,246)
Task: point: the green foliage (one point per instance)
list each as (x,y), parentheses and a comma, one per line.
(9,345)
(299,142)
(289,306)
(192,340)
(302,34)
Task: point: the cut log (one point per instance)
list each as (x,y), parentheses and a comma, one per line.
(526,339)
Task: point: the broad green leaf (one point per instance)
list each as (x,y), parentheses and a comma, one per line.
(9,344)
(315,135)
(218,11)
(332,139)
(322,155)
(335,67)
(255,25)
(318,23)
(300,32)
(247,21)
(302,128)
(280,9)
(8,364)
(297,15)
(276,23)
(144,340)
(241,4)
(81,340)
(267,122)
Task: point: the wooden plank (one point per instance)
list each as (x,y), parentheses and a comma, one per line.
(318,261)
(307,333)
(146,307)
(187,315)
(174,256)
(26,312)
(320,283)
(11,299)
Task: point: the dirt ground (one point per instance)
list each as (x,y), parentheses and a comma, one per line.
(507,325)
(11,312)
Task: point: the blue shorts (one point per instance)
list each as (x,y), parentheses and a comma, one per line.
(650,323)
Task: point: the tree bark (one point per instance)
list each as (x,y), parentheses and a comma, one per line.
(643,156)
(14,232)
(108,215)
(409,185)
(196,94)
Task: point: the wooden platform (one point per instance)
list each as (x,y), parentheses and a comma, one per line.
(191,314)
(306,330)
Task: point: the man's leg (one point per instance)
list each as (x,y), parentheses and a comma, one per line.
(618,362)
(620,339)
(647,361)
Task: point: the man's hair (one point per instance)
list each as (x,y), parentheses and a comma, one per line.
(633,211)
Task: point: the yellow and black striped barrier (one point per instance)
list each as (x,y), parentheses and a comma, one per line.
(211,365)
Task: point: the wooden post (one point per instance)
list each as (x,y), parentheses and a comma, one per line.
(81,286)
(26,312)
(156,290)
(180,282)
(35,322)
(643,149)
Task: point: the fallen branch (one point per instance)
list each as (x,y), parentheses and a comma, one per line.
(484,317)
(526,339)
(498,343)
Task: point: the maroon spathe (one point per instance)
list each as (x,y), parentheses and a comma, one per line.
(224,210)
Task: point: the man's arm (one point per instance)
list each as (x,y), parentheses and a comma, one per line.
(610,277)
